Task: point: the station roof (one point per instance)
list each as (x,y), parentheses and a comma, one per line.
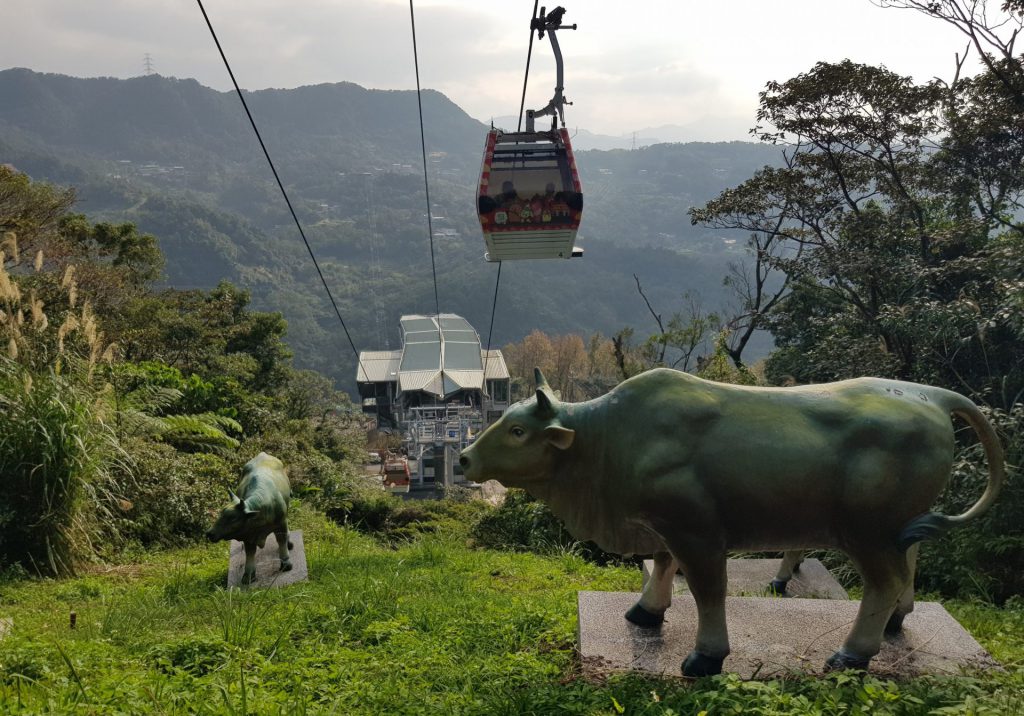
(378,366)
(440,355)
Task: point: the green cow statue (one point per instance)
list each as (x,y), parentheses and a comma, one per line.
(686,470)
(259,508)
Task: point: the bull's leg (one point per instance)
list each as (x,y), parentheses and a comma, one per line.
(905,603)
(885,578)
(249,573)
(791,560)
(704,568)
(283,545)
(657,594)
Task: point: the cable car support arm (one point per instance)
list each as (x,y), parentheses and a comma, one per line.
(550,23)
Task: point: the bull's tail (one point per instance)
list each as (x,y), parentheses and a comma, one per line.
(932,525)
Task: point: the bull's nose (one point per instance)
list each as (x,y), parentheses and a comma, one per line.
(463,461)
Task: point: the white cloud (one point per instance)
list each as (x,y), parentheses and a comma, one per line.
(627,66)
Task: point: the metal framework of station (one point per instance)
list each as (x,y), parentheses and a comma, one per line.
(439,390)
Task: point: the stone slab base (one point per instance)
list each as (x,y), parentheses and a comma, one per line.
(770,638)
(6,624)
(750,577)
(268,563)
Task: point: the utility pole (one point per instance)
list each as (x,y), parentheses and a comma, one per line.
(147,63)
(634,142)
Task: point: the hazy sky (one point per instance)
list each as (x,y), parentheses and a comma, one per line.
(628,66)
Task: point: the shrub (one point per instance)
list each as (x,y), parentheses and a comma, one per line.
(524,524)
(985,557)
(521,524)
(23,660)
(366,513)
(394,521)
(315,477)
(167,498)
(196,655)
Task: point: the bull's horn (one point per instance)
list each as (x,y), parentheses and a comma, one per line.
(233,496)
(545,404)
(542,382)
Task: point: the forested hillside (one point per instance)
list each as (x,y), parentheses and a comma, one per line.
(179,161)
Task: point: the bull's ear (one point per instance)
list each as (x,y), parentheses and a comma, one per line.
(545,405)
(560,437)
(542,382)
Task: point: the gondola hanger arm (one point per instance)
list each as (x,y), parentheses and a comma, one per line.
(550,23)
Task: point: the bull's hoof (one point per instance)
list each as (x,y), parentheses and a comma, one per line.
(698,665)
(641,617)
(841,661)
(895,624)
(286,566)
(249,577)
(778,586)
(290,545)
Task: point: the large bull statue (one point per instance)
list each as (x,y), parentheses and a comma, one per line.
(259,508)
(687,470)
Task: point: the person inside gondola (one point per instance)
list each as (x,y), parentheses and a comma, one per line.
(500,203)
(508,193)
(547,202)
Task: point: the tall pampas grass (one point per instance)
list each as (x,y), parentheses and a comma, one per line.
(55,447)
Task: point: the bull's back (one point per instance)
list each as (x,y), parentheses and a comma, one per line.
(264,476)
(823,459)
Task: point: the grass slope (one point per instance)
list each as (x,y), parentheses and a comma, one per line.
(431,627)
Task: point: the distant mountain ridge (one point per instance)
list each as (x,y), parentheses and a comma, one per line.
(180,160)
(167,119)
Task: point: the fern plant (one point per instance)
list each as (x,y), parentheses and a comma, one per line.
(145,408)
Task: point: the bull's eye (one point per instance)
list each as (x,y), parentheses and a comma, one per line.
(517,431)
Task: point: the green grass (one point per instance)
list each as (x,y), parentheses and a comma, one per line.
(430,627)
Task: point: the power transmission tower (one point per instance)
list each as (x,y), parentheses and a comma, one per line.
(634,141)
(147,63)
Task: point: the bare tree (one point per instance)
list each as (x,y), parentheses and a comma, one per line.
(992,34)
(685,333)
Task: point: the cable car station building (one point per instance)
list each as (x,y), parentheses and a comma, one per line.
(439,390)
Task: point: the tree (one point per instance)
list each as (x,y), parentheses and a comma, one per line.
(898,221)
(534,351)
(877,235)
(993,37)
(578,370)
(569,358)
(30,213)
(679,342)
(207,332)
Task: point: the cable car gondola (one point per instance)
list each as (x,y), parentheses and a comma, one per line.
(530,199)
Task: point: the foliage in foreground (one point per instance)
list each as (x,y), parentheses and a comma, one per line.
(429,627)
(124,412)
(524,524)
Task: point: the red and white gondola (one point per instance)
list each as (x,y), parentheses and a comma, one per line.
(530,200)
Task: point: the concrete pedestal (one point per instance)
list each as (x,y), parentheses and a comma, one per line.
(268,563)
(770,637)
(6,624)
(750,577)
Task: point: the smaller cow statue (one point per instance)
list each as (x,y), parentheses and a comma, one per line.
(259,508)
(687,469)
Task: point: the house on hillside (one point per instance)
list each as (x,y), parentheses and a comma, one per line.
(438,391)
